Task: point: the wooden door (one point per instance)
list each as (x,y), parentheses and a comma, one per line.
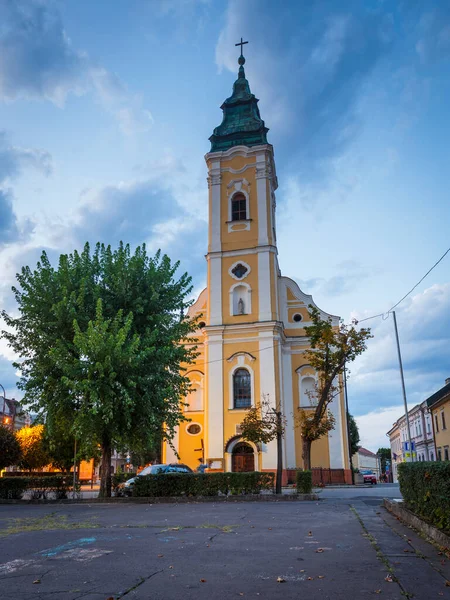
(243,459)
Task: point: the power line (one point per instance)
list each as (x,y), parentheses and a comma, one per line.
(406,295)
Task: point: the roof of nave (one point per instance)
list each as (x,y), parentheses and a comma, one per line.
(366,452)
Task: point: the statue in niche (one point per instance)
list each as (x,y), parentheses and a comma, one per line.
(241,307)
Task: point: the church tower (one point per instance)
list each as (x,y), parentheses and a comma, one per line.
(251,334)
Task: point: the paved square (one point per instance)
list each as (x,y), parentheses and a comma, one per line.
(198,551)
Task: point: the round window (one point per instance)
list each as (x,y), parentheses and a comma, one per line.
(194,428)
(297,317)
(201,325)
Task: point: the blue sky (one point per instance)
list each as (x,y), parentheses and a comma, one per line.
(105,113)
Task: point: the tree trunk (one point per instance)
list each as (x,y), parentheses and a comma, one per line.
(307,454)
(279,455)
(105,467)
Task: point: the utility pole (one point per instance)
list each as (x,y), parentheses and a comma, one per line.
(403,386)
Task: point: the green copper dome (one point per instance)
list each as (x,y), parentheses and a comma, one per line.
(242,123)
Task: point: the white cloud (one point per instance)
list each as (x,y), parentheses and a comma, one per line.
(374,425)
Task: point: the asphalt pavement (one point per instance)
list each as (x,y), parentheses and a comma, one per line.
(332,549)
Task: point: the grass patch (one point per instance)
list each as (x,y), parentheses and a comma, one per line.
(222,528)
(45,523)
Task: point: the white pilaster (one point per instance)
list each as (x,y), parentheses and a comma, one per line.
(215,440)
(215,291)
(261,191)
(335,441)
(171,457)
(288,410)
(214,181)
(265,305)
(268,389)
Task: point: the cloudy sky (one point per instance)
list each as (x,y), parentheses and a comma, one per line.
(105,113)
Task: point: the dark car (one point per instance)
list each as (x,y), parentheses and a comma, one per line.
(369,477)
(126,489)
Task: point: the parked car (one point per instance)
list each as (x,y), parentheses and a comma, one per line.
(369,477)
(126,489)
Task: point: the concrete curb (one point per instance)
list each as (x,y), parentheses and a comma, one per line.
(175,500)
(400,511)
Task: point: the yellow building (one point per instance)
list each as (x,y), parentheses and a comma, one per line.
(439,405)
(251,336)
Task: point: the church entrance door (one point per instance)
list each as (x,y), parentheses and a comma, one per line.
(243,458)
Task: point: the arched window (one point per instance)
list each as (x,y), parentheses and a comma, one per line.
(242,389)
(194,399)
(238,208)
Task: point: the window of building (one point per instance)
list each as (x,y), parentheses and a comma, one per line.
(297,317)
(439,454)
(194,429)
(443,420)
(431,456)
(238,208)
(445,453)
(242,389)
(436,422)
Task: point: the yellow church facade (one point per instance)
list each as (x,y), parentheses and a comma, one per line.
(251,338)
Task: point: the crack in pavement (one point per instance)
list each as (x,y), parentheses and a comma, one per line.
(134,587)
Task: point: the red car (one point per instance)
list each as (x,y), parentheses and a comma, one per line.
(369,477)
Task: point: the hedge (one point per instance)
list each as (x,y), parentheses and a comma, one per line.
(304,482)
(55,486)
(119,478)
(425,487)
(203,484)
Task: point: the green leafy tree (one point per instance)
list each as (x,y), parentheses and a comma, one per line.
(262,424)
(31,441)
(100,344)
(354,435)
(384,454)
(330,349)
(10,452)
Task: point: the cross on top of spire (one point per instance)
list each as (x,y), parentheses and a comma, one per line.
(241,43)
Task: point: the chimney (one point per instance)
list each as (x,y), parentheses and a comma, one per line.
(447,381)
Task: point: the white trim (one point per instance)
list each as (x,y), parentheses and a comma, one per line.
(214,181)
(248,309)
(235,264)
(335,438)
(214,407)
(268,388)
(246,251)
(215,293)
(288,410)
(300,378)
(242,363)
(190,425)
(264,295)
(305,299)
(171,457)
(262,174)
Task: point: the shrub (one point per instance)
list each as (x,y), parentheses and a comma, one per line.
(10,452)
(425,487)
(304,482)
(119,478)
(56,486)
(12,488)
(203,484)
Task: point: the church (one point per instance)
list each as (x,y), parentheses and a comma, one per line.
(251,337)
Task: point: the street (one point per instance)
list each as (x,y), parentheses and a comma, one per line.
(336,548)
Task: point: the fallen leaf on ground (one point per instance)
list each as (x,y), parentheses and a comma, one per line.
(310,533)
(440,553)
(377,592)
(37,581)
(302,571)
(447,583)
(202,580)
(405,550)
(171,567)
(388,578)
(310,578)
(270,528)
(281,580)
(160,555)
(319,550)
(321,576)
